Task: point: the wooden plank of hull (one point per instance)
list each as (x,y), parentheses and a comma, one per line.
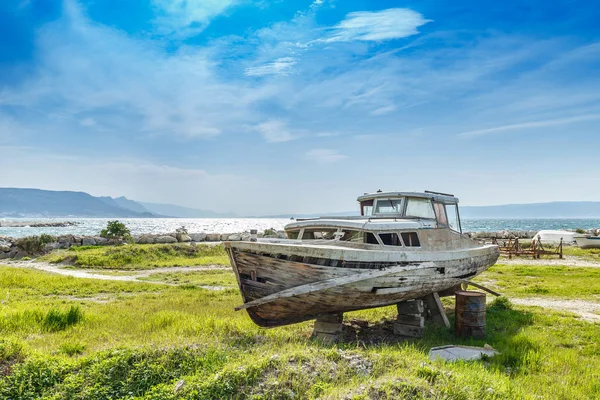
(352,294)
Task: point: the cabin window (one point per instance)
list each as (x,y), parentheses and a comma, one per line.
(420,208)
(388,206)
(410,239)
(390,239)
(370,238)
(440,214)
(353,236)
(367,208)
(453,218)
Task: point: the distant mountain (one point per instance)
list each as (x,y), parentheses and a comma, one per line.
(183,212)
(561,209)
(47,203)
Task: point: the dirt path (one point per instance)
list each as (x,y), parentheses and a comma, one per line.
(587,310)
(568,261)
(134,276)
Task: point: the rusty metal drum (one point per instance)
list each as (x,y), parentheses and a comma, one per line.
(469,315)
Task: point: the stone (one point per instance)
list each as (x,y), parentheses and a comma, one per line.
(411,307)
(100,241)
(213,237)
(146,239)
(455,353)
(88,241)
(281,235)
(51,246)
(166,239)
(246,237)
(198,237)
(224,237)
(236,237)
(184,238)
(4,248)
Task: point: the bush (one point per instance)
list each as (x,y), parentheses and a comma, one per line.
(35,244)
(580,231)
(116,230)
(270,232)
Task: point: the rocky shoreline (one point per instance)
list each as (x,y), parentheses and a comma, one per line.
(17,248)
(33,224)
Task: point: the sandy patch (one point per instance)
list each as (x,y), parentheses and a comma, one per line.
(567,261)
(587,310)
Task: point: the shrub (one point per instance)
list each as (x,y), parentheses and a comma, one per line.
(270,232)
(35,244)
(580,231)
(72,349)
(116,230)
(57,320)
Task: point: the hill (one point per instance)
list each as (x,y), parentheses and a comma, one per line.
(48,203)
(183,212)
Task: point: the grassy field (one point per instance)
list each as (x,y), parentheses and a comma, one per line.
(68,338)
(135,256)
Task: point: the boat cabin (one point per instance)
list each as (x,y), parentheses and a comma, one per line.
(399,219)
(439,207)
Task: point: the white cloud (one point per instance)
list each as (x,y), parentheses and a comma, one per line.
(532,125)
(188,17)
(125,85)
(393,23)
(324,156)
(275,131)
(281,66)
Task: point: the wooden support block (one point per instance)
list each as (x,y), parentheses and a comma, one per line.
(408,330)
(326,338)
(327,327)
(412,320)
(436,310)
(337,317)
(410,307)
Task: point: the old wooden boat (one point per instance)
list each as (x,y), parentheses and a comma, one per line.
(588,241)
(403,246)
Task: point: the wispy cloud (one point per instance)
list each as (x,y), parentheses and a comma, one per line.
(393,23)
(531,125)
(281,66)
(275,131)
(324,156)
(188,17)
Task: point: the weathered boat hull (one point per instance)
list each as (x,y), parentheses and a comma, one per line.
(286,287)
(588,242)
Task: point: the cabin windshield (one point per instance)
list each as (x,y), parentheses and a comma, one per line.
(453,217)
(388,206)
(419,208)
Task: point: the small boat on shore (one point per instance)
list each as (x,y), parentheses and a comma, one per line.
(588,241)
(403,246)
(550,236)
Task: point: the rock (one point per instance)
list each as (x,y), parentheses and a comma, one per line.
(235,237)
(145,239)
(77,240)
(281,235)
(4,248)
(198,237)
(165,239)
(224,237)
(88,241)
(246,237)
(51,246)
(100,241)
(184,238)
(4,256)
(213,237)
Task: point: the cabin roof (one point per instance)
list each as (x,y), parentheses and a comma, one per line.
(441,197)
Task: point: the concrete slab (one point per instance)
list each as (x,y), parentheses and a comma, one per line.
(467,353)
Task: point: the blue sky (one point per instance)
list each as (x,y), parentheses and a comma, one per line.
(263,107)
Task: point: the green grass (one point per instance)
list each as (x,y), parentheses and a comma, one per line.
(135,256)
(551,281)
(207,278)
(587,254)
(183,342)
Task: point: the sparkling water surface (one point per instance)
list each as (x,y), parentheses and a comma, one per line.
(92,226)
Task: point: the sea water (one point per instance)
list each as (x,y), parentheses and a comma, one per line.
(92,226)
